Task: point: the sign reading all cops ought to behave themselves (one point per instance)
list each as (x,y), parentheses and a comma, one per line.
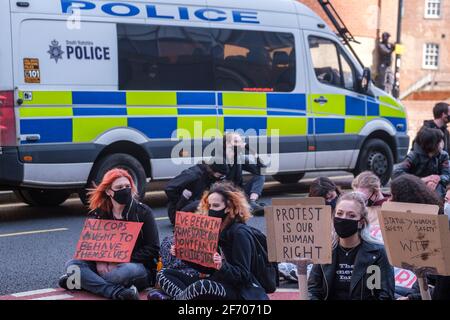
(107,240)
(299,229)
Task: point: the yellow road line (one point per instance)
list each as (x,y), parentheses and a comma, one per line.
(31,232)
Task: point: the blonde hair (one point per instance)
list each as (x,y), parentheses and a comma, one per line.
(358,199)
(235,201)
(367,180)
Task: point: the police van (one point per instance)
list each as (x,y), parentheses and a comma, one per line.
(90,85)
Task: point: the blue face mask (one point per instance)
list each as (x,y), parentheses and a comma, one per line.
(447,209)
(332,203)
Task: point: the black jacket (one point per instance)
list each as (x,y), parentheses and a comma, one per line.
(146,249)
(238,247)
(321,278)
(430,124)
(195,179)
(418,163)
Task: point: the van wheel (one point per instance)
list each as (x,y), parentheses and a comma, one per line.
(376,156)
(118,160)
(42,197)
(288,178)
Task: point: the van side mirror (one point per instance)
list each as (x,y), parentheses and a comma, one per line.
(365,80)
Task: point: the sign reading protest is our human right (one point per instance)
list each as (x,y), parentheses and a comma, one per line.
(196,238)
(107,240)
(415,236)
(299,229)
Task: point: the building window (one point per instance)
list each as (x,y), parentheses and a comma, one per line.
(432,9)
(431,56)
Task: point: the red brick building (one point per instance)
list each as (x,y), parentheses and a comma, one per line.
(425,64)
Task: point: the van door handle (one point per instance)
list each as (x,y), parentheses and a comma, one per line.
(321,100)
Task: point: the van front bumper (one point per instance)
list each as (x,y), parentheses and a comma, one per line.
(11,169)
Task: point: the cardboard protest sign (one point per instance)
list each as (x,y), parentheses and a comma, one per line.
(196,238)
(415,236)
(403,278)
(298,229)
(107,240)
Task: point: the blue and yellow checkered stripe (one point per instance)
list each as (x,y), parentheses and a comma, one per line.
(59,116)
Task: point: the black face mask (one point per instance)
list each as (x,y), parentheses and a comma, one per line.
(370,202)
(217,213)
(332,203)
(345,227)
(122,196)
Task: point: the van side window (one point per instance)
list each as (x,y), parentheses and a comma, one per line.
(188,58)
(164,58)
(331,66)
(254,60)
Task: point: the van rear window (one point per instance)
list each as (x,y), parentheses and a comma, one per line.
(188,58)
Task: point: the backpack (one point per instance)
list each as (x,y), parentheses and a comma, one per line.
(265,272)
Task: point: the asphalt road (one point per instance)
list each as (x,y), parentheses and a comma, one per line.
(35,243)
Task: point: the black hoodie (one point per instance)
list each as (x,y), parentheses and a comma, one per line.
(146,249)
(418,163)
(196,179)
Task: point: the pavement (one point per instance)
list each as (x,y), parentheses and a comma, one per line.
(38,241)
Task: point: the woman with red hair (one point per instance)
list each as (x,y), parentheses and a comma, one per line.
(116,199)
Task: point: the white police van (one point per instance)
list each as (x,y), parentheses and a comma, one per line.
(89,85)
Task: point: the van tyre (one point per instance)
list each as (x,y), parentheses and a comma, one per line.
(376,156)
(118,160)
(289,178)
(42,197)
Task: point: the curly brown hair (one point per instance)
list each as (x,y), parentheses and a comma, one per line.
(234,198)
(411,189)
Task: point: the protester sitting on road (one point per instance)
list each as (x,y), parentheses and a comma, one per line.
(239,160)
(354,251)
(427,160)
(116,199)
(324,187)
(369,185)
(232,278)
(411,189)
(185,190)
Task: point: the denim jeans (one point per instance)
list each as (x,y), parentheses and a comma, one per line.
(108,285)
(254,185)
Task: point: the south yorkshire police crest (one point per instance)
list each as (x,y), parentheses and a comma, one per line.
(55,51)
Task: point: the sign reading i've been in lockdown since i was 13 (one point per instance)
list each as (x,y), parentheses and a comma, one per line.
(107,240)
(196,238)
(299,229)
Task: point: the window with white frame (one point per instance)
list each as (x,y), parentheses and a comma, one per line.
(431,56)
(433,9)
